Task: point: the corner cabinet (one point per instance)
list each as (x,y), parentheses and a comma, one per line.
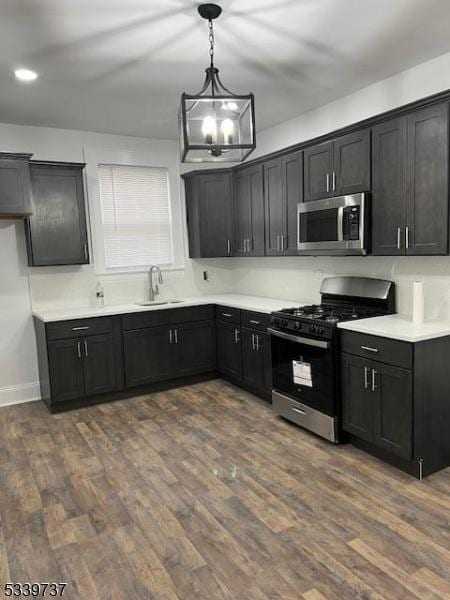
(338,167)
(395,400)
(56,232)
(410,183)
(209,211)
(15,190)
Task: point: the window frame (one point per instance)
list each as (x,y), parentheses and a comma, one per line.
(164,160)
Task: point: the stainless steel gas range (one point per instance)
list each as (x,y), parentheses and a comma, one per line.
(305,351)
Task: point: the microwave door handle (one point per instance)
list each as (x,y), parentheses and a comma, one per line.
(340,224)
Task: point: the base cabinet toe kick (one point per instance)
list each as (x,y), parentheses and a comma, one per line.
(309,418)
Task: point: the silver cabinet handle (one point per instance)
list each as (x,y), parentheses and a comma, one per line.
(366,378)
(228,246)
(399,237)
(278,243)
(79,349)
(369,349)
(255,322)
(282,243)
(250,245)
(334,181)
(407,238)
(80,328)
(257,342)
(170,336)
(86,348)
(176,336)
(85,248)
(374,383)
(328,182)
(298,410)
(236,336)
(253,341)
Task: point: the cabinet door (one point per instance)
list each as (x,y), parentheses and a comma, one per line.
(256,232)
(229,350)
(256,360)
(292,185)
(274,207)
(318,168)
(15,193)
(427,177)
(195,346)
(242,211)
(358,401)
(389,187)
(216,214)
(57,231)
(393,414)
(352,163)
(99,368)
(65,361)
(148,356)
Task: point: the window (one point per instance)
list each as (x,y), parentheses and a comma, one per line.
(136,216)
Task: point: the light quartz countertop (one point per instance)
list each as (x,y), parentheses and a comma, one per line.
(255,303)
(399,327)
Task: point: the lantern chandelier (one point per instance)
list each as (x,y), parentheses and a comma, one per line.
(215,124)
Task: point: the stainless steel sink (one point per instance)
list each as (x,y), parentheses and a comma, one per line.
(158,303)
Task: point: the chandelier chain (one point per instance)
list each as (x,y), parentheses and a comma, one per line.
(211,42)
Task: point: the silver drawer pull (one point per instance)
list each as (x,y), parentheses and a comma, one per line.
(255,322)
(80,328)
(298,410)
(369,349)
(226,315)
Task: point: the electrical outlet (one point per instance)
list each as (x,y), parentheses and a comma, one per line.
(206,276)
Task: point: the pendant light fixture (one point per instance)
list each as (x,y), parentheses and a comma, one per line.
(215,124)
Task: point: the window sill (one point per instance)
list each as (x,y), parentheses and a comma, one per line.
(137,271)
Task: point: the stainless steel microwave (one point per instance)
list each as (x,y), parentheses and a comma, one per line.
(334,226)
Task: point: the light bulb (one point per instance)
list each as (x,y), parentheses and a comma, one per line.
(232,106)
(227,127)
(209,130)
(25,75)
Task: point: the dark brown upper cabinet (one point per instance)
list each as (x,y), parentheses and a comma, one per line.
(209,210)
(15,191)
(248,211)
(410,183)
(338,167)
(57,230)
(283,190)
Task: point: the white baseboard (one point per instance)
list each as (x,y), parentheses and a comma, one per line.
(18,394)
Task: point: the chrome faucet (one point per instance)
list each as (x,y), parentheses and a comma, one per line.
(154,290)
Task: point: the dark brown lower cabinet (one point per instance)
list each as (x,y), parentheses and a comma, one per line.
(396,407)
(377,404)
(256,359)
(148,355)
(81,367)
(195,348)
(229,350)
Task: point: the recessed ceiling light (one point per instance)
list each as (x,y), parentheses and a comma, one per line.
(25,75)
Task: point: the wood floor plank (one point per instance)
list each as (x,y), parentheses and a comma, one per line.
(200,492)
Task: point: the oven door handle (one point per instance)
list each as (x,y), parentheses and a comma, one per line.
(340,224)
(298,339)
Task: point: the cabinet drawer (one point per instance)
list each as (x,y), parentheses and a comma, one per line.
(382,349)
(225,313)
(255,320)
(78,328)
(169,316)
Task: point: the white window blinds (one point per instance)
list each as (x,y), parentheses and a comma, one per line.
(135,216)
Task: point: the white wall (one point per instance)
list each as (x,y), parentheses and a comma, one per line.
(300,277)
(74,286)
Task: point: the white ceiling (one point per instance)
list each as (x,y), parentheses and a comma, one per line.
(119,66)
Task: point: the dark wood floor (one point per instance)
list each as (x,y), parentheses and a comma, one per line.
(201,493)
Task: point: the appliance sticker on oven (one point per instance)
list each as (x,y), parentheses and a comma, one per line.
(302,373)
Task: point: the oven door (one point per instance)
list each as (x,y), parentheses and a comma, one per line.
(304,369)
(333,226)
